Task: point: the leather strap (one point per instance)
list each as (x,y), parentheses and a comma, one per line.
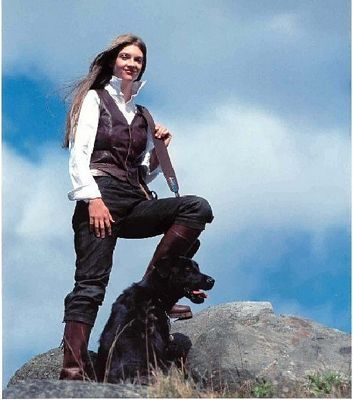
(162,154)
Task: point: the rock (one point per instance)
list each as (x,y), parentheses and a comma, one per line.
(43,366)
(231,344)
(51,389)
(235,342)
(39,378)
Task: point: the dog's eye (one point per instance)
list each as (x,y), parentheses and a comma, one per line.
(187,269)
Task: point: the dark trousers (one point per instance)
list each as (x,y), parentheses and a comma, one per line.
(136,217)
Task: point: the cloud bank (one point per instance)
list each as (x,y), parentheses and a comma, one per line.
(257,170)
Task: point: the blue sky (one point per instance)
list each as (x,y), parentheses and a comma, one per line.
(257,94)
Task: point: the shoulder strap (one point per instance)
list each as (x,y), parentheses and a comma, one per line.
(162,154)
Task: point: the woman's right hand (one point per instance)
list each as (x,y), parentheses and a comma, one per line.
(100,218)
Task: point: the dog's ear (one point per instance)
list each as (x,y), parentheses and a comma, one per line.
(164,265)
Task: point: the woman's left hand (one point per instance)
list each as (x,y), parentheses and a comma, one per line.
(163,133)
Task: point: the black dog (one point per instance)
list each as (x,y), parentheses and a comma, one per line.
(137,337)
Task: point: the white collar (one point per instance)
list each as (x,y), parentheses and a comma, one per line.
(115,84)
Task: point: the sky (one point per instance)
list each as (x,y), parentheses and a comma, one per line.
(257,96)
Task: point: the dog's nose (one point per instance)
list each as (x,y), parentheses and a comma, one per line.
(210,281)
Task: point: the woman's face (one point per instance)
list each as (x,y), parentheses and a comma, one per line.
(129,63)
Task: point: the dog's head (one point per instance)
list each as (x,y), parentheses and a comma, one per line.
(182,277)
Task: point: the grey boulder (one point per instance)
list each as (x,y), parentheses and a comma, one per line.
(241,341)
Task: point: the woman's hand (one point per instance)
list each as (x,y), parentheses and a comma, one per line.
(163,133)
(99,218)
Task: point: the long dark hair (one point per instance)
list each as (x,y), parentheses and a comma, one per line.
(100,73)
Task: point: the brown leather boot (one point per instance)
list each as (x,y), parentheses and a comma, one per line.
(193,249)
(76,365)
(178,240)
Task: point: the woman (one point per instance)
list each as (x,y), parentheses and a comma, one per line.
(111,160)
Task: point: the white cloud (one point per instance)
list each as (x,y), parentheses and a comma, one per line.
(257,171)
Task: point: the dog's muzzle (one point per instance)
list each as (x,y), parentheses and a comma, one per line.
(197,296)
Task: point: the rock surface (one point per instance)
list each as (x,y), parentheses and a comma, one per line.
(246,340)
(231,343)
(38,378)
(54,389)
(43,366)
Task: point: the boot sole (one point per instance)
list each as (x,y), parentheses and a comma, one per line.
(180,316)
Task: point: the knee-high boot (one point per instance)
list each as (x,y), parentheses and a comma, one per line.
(179,240)
(76,365)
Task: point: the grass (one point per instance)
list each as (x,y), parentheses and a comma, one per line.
(172,385)
(329,383)
(263,389)
(176,385)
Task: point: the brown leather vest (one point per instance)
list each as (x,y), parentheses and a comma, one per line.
(118,147)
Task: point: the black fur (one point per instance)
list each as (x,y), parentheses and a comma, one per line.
(136,337)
